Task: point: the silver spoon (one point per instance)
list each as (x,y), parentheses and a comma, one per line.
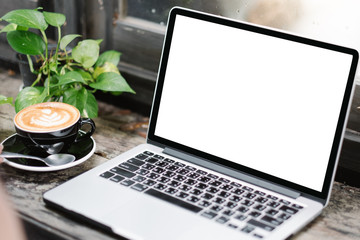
(51,160)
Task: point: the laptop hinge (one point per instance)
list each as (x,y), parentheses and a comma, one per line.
(232,173)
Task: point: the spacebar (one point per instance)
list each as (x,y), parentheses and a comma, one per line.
(173,200)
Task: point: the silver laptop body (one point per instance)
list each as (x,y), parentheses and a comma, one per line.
(244,137)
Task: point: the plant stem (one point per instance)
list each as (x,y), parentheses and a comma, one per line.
(30,63)
(57,46)
(46,61)
(37,80)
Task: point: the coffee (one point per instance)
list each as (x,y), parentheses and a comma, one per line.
(45,117)
(51,127)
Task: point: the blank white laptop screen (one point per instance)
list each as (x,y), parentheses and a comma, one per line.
(262,102)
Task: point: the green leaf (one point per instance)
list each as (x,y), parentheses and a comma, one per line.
(26,42)
(4,100)
(67,39)
(26,18)
(111,56)
(83,100)
(107,67)
(112,82)
(8,28)
(29,96)
(70,77)
(85,75)
(86,53)
(54,19)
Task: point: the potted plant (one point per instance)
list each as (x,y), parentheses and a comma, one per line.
(70,76)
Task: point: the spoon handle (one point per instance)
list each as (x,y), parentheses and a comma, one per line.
(18,155)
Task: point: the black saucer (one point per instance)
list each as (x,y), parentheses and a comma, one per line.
(81,150)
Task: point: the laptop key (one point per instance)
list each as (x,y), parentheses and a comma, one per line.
(122,172)
(222,219)
(224,194)
(254,214)
(195,191)
(207,196)
(107,174)
(201,172)
(272,197)
(182,195)
(117,178)
(163,179)
(149,153)
(139,187)
(258,236)
(228,212)
(238,191)
(151,160)
(148,166)
(127,182)
(204,179)
(261,225)
(273,204)
(185,187)
(240,217)
(212,176)
(139,178)
(141,156)
(209,214)
(174,183)
(153,175)
(224,180)
(160,186)
(215,183)
(204,203)
(190,168)
(168,160)
(243,209)
(173,200)
(232,226)
(219,200)
(201,186)
(158,157)
(271,220)
(235,198)
(193,199)
(216,208)
(179,164)
(171,190)
(288,209)
(284,216)
(129,167)
(183,171)
(297,206)
(247,229)
(136,162)
(149,182)
(272,212)
(169,174)
(142,171)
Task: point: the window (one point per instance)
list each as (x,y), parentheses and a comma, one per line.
(140,25)
(136,27)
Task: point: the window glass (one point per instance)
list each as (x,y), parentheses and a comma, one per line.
(328,20)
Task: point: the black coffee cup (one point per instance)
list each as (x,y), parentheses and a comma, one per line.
(51,127)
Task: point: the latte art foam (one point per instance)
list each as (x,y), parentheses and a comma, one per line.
(50,119)
(45,117)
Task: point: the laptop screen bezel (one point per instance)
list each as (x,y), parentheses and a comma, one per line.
(336,147)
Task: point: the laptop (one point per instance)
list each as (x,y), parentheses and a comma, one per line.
(244,138)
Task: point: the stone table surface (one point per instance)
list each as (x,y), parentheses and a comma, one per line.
(117,131)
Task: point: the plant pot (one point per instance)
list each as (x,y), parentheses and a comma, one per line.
(27,76)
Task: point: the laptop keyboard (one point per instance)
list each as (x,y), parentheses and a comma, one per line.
(217,198)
